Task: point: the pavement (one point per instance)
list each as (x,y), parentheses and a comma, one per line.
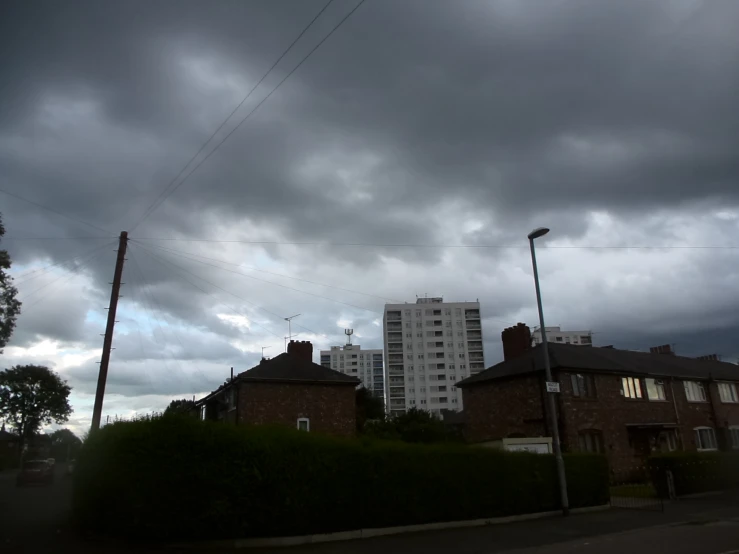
(38,519)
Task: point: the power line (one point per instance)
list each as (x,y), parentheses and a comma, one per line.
(167,321)
(153,206)
(52,210)
(175,251)
(24,277)
(162,261)
(58,238)
(270,312)
(148,308)
(253,110)
(279,284)
(473,246)
(74,273)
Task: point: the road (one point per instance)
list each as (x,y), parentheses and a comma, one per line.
(38,519)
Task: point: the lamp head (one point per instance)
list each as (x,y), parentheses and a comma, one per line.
(539,232)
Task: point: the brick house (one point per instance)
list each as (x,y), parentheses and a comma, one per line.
(624,404)
(288,390)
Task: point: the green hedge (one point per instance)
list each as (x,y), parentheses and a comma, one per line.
(695,472)
(179,478)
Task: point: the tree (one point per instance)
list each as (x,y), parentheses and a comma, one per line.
(415,425)
(183,406)
(32,396)
(64,444)
(368,407)
(10,307)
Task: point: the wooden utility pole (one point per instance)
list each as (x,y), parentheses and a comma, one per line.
(97,411)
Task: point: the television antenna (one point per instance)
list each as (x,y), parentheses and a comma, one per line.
(263,349)
(348,333)
(289,329)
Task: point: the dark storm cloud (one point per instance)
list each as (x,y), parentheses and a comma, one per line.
(421,121)
(589,104)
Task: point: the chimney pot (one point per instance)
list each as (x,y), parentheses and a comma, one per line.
(302,349)
(516,341)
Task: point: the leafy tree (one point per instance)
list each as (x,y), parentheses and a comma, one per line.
(183,406)
(32,396)
(10,307)
(368,407)
(417,426)
(64,444)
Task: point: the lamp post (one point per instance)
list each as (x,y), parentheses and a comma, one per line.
(535,234)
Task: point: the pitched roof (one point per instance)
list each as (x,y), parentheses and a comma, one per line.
(607,360)
(290,368)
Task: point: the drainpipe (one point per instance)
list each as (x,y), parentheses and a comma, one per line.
(714,413)
(677,413)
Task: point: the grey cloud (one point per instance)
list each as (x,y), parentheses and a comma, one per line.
(419,122)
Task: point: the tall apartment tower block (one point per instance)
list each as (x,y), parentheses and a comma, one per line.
(366,365)
(429,346)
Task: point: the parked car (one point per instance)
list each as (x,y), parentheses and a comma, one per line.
(35,471)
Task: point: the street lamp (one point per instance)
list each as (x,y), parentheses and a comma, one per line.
(551,386)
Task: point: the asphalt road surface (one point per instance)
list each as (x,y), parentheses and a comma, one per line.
(37,519)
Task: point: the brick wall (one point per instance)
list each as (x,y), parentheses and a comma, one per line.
(499,409)
(330,408)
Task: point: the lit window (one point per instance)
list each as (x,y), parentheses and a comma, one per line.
(303,424)
(694,391)
(655,389)
(631,387)
(705,438)
(727,392)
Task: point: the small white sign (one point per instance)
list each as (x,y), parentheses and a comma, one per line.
(552,386)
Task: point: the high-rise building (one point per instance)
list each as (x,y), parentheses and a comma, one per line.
(429,346)
(366,365)
(555,334)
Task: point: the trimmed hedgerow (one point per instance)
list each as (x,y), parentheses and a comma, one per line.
(179,478)
(695,472)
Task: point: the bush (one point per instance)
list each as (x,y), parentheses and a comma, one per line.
(695,472)
(180,478)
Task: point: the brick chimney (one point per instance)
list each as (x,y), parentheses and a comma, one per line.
(301,348)
(516,341)
(663,349)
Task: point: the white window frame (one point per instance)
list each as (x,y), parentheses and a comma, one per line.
(695,391)
(727,393)
(658,386)
(305,420)
(631,388)
(734,436)
(699,440)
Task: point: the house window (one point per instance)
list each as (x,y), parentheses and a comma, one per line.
(420,356)
(303,424)
(559,339)
(418,313)
(232,398)
(727,392)
(694,391)
(408,313)
(705,438)
(590,441)
(734,434)
(449,333)
(582,385)
(202,412)
(655,389)
(631,387)
(461,355)
(408,325)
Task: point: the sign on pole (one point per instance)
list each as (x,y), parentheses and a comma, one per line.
(552,386)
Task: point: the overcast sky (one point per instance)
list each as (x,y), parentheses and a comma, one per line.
(454,127)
